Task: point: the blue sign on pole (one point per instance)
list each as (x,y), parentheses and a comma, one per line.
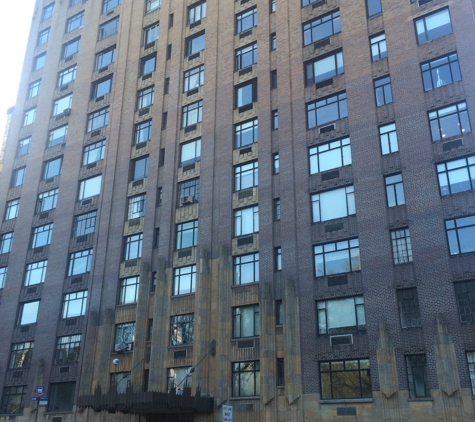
(39,391)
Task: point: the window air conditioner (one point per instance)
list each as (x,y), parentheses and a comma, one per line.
(66,112)
(123,347)
(345,339)
(186,200)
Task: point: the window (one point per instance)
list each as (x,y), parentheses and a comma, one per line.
(408,304)
(194,44)
(140,168)
(246,321)
(433,26)
(74,2)
(70,48)
(57,136)
(75,22)
(278,259)
(136,207)
(373,8)
(273,41)
(330,155)
(90,187)
(307,2)
(109,4)
(120,380)
(345,379)
(401,244)
(461,235)
(67,349)
(337,257)
(388,139)
(324,68)
(93,152)
(17,177)
(80,262)
(382,91)
(326,110)
(442,71)
(181,329)
(29,116)
(275,163)
(20,356)
(11,210)
(108,28)
(169,51)
(246,20)
(35,273)
(336,203)
(41,236)
(47,200)
(52,168)
(341,316)
(164,120)
(47,12)
(129,288)
(84,224)
(98,119)
(192,114)
(272,6)
(74,304)
(378,47)
(193,78)
(39,61)
(184,280)
(246,379)
(245,94)
(105,58)
(279,312)
(133,246)
(277,209)
(101,87)
(178,378)
(34,88)
(186,235)
(280,372)
(456,176)
(275,119)
(148,64)
(145,97)
(196,12)
(246,269)
(61,397)
(3,275)
(6,240)
(417,380)
(23,146)
(43,36)
(12,401)
(246,56)
(28,312)
(465,296)
(394,190)
(449,121)
(246,221)
(188,192)
(143,132)
(151,5)
(67,75)
(471,369)
(61,104)
(245,133)
(150,34)
(246,176)
(321,27)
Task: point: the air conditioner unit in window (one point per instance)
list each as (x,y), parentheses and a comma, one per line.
(66,112)
(346,339)
(123,347)
(185,200)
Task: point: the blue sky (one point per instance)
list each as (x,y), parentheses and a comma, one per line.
(15,21)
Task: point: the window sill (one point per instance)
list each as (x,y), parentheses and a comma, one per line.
(59,412)
(421,399)
(183,295)
(245,398)
(333,401)
(244,284)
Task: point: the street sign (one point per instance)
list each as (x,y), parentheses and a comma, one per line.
(227,413)
(39,391)
(35,399)
(44,401)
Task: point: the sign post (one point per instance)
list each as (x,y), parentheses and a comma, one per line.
(227,413)
(39,392)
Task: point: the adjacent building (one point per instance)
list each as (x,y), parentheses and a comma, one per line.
(268,205)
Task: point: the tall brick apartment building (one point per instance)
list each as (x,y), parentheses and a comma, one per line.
(268,205)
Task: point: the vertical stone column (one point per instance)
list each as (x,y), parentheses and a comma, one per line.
(106,334)
(89,352)
(292,360)
(388,375)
